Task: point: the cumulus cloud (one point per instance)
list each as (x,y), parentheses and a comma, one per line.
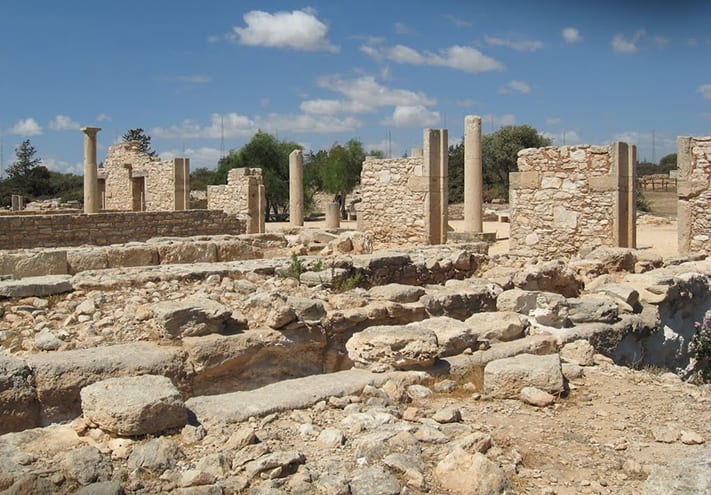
(518,45)
(325,124)
(230,125)
(298,30)
(199,157)
(648,144)
(62,166)
(334,107)
(412,116)
(26,127)
(401,28)
(102,117)
(457,22)
(620,44)
(63,123)
(464,58)
(366,91)
(705,90)
(515,87)
(498,120)
(571,35)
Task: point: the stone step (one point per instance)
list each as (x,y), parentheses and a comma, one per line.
(286,395)
(47,285)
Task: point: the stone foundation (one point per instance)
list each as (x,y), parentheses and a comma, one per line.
(694,191)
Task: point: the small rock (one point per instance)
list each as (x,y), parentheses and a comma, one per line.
(448,415)
(418,391)
(445,386)
(665,434)
(536,397)
(330,438)
(691,438)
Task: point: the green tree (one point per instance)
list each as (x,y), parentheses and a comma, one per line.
(339,169)
(202,177)
(456,173)
(272,156)
(144,140)
(499,152)
(667,163)
(26,175)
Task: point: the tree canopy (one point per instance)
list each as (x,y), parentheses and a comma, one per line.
(499,154)
(272,156)
(144,140)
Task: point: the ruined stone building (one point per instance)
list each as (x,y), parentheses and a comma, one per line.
(243,195)
(694,192)
(131,180)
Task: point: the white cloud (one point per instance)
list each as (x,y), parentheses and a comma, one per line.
(412,116)
(199,157)
(299,30)
(231,125)
(553,121)
(401,28)
(661,41)
(563,138)
(62,166)
(518,45)
(63,123)
(334,107)
(466,102)
(498,120)
(649,146)
(620,44)
(571,35)
(26,127)
(515,87)
(102,117)
(307,123)
(457,22)
(458,57)
(368,92)
(382,146)
(705,91)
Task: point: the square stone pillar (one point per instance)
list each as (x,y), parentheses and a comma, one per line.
(296,188)
(435,169)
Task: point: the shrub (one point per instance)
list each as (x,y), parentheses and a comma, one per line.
(700,349)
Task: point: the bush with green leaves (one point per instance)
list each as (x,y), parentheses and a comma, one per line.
(700,349)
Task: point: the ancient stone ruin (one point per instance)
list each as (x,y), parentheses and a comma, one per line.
(572,199)
(302,361)
(694,191)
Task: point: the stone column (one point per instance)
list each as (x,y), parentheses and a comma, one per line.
(333,215)
(296,188)
(432,169)
(473,182)
(91,183)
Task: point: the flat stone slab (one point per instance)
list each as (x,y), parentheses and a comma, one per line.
(36,286)
(286,395)
(134,405)
(193,316)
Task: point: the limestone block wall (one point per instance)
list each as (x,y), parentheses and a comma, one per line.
(393,202)
(112,228)
(135,181)
(569,199)
(694,192)
(243,195)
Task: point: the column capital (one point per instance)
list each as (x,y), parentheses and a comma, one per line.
(90,131)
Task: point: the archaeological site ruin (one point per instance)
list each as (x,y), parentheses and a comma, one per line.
(541,347)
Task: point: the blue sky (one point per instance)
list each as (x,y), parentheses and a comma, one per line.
(320,72)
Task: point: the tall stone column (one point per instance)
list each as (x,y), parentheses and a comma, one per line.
(91,183)
(296,188)
(473,182)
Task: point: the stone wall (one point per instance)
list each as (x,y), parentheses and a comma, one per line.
(694,191)
(134,181)
(572,199)
(404,200)
(243,195)
(111,228)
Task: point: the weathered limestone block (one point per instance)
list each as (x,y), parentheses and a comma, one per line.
(614,259)
(551,276)
(460,298)
(83,259)
(547,308)
(35,286)
(19,408)
(592,307)
(60,375)
(187,252)
(496,325)
(236,250)
(536,397)
(397,292)
(193,316)
(393,347)
(453,336)
(310,310)
(136,255)
(34,263)
(253,358)
(136,405)
(578,352)
(690,475)
(471,474)
(504,378)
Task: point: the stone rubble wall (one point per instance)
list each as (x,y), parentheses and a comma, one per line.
(563,200)
(694,192)
(124,162)
(112,228)
(392,205)
(233,197)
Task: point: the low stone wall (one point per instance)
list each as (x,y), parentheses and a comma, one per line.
(572,199)
(243,195)
(111,228)
(694,191)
